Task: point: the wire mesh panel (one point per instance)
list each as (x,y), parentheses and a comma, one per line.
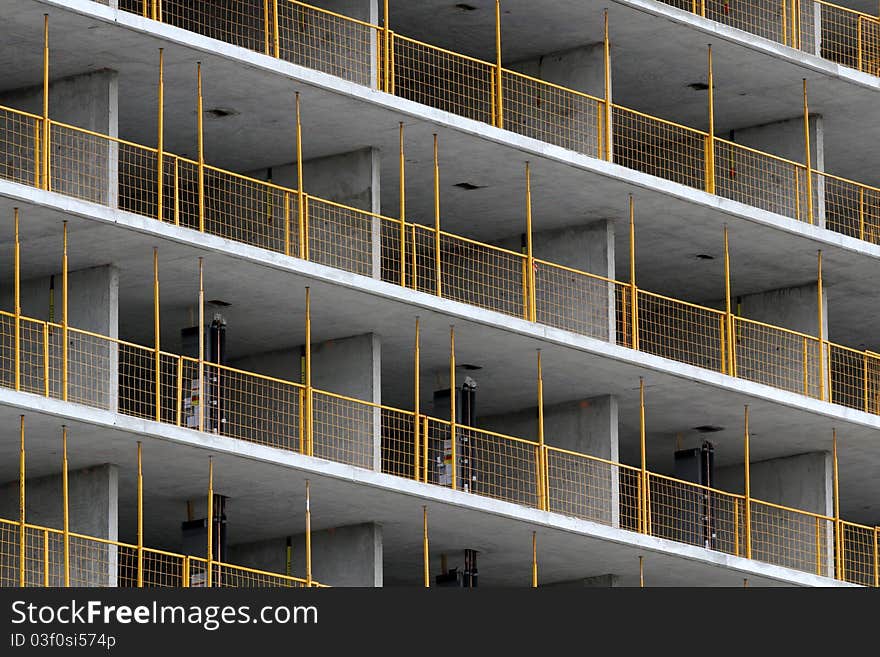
(777,357)
(239,22)
(848,374)
(327,42)
(421,258)
(20,138)
(399,444)
(33,358)
(443,79)
(138,175)
(869,44)
(840,34)
(766,18)
(229,576)
(345,430)
(83,165)
(583,486)
(791,538)
(343,237)
(577,301)
(92,369)
(659,148)
(857,554)
(9,553)
(851,208)
(680,331)
(551,113)
(137,381)
(761,180)
(93,562)
(496,466)
(160,569)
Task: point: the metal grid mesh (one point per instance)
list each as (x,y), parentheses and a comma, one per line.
(228,576)
(777,357)
(858,560)
(766,19)
(790,538)
(850,372)
(841,34)
(584,487)
(82,164)
(577,301)
(239,22)
(398,444)
(20,136)
(344,429)
(680,331)
(342,237)
(851,208)
(497,466)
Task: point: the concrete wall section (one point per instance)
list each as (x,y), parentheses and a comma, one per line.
(344,556)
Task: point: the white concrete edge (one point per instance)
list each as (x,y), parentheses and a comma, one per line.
(71,412)
(527,145)
(455,309)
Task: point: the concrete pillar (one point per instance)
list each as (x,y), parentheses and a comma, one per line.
(348,556)
(93,495)
(343,430)
(560,118)
(779,186)
(82,165)
(803,482)
(337,237)
(579,486)
(93,305)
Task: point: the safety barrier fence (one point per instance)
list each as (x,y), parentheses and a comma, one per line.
(35,556)
(144,382)
(375,56)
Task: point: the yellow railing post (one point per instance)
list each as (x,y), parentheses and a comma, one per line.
(838,528)
(633,288)
(438,283)
(710,146)
(748,487)
(185,577)
(155,9)
(736,527)
(201,409)
(308,534)
(534,560)
(425,555)
(65,501)
(276,40)
(821,331)
(808,157)
(22,545)
(644,507)
(156,334)
(402,166)
(176,191)
(385,84)
(210,560)
(64,317)
(499,100)
(140,517)
(818,546)
(609,135)
(46,381)
(287,223)
(301,201)
(529,283)
(861,212)
(731,340)
(17,301)
(452,409)
(266,26)
(201,147)
(47,183)
(179,382)
(46,558)
(160,149)
(416,401)
(541,484)
(876,557)
(308,375)
(641,571)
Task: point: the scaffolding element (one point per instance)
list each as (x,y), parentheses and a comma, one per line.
(156,333)
(453,420)
(710,143)
(808,157)
(499,96)
(425,558)
(534,560)
(821,330)
(17,302)
(66,502)
(22,546)
(529,279)
(46,146)
(417,404)
(748,485)
(308,534)
(201,409)
(838,529)
(309,393)
(644,492)
(607,134)
(160,148)
(201,147)
(65,327)
(541,460)
(140,517)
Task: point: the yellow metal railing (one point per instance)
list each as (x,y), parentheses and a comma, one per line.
(46,554)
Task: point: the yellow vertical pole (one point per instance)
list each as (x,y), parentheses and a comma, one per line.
(861,213)
(201,146)
(838,528)
(402,164)
(821,332)
(179,412)
(534,560)
(529,283)
(876,557)
(808,157)
(201,409)
(425,557)
(736,527)
(785,22)
(542,456)
(140,518)
(386,50)
(308,534)
(710,148)
(425,449)
(21,508)
(608,100)
(186,568)
(65,501)
(276,41)
(309,426)
(634,290)
(641,571)
(416,401)
(160,149)
(731,342)
(64,324)
(266,26)
(210,560)
(748,487)
(38,155)
(438,283)
(46,381)
(47,183)
(17,301)
(301,201)
(499,101)
(176,191)
(818,546)
(156,334)
(645,509)
(286,223)
(46,558)
(452,410)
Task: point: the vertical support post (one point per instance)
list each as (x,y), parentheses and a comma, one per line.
(287,223)
(821,332)
(530,281)
(156,334)
(210,561)
(534,560)
(308,534)
(425,449)
(276,40)
(308,367)
(608,154)
(438,283)
(266,26)
(46,381)
(201,410)
(731,342)
(710,146)
(876,557)
(386,50)
(736,526)
(808,156)
(641,571)
(748,486)
(499,100)
(22,548)
(861,213)
(301,201)
(140,518)
(64,323)
(66,502)
(46,558)
(645,505)
(452,410)
(179,390)
(425,557)
(542,456)
(838,528)
(176,191)
(201,147)
(634,290)
(402,163)
(818,546)
(17,300)
(416,401)
(160,149)
(47,183)
(186,568)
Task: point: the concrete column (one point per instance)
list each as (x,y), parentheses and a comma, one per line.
(348,556)
(82,165)
(801,482)
(337,237)
(93,495)
(343,430)
(578,486)
(785,139)
(93,366)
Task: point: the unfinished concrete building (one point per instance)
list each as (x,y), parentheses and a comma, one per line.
(370,293)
